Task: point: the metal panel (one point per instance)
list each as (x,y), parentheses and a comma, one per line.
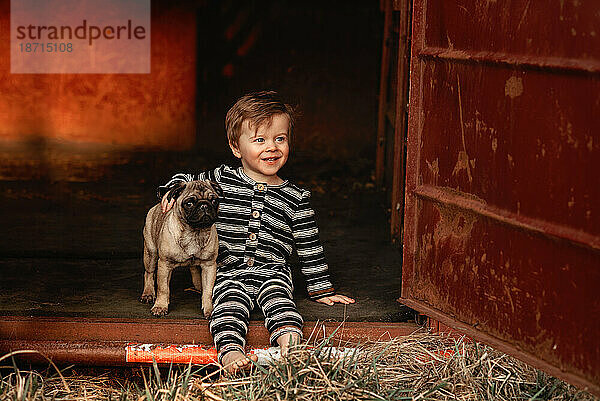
(103,341)
(502,224)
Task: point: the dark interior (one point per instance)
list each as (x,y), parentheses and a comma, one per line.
(72,213)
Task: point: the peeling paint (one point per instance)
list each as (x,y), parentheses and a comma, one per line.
(511,161)
(509,295)
(566,130)
(451,234)
(462,164)
(434,168)
(494,144)
(513,87)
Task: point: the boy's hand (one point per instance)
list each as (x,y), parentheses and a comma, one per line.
(166,204)
(332,299)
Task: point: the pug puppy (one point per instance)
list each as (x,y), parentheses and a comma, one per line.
(184,236)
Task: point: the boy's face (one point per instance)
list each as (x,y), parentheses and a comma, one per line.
(264,151)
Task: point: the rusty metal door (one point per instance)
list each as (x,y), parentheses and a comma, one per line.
(502,217)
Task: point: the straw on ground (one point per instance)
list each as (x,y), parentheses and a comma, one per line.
(421,366)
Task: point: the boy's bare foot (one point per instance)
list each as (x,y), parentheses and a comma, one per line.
(234,361)
(286,340)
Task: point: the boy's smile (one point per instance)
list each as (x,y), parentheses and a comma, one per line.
(265,150)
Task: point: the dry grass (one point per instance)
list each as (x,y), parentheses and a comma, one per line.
(418,367)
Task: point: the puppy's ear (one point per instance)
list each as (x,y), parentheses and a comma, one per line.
(175,191)
(216,187)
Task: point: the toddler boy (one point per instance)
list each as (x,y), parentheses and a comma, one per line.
(261,218)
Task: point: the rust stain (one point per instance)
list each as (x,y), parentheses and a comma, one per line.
(566,130)
(509,296)
(434,168)
(513,87)
(511,161)
(481,128)
(446,246)
(463,164)
(426,247)
(542,146)
(451,234)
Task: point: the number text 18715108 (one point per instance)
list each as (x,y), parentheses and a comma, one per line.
(49,47)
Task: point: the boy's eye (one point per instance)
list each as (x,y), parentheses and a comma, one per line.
(258,140)
(280,139)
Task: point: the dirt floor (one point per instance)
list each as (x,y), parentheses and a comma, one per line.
(74,248)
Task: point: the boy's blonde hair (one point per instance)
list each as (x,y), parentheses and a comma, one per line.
(258,108)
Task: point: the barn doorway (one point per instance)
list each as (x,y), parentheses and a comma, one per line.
(73,211)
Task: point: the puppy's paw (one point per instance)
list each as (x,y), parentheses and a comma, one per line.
(159,310)
(207,312)
(147,298)
(207,308)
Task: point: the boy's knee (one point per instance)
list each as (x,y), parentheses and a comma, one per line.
(231,291)
(275,288)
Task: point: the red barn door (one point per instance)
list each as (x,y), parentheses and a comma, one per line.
(502,217)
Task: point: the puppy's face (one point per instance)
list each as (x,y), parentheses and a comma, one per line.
(197,203)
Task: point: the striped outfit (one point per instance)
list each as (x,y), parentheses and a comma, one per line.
(258,226)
